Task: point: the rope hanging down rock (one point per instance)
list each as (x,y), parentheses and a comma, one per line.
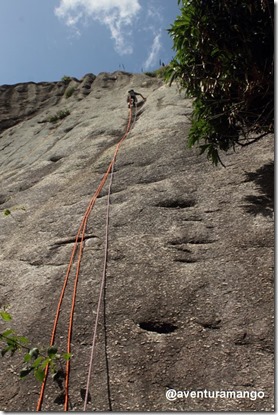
(103,279)
(78,240)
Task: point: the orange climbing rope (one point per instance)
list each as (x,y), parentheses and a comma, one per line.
(80,239)
(103,278)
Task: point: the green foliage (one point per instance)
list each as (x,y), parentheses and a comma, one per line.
(34,360)
(151,74)
(66,79)
(58,116)
(5,315)
(7,212)
(158,73)
(69,91)
(224,60)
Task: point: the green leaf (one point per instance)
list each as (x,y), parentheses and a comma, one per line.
(5,315)
(37,362)
(46,362)
(11,341)
(7,332)
(53,367)
(67,356)
(22,340)
(27,358)
(204,147)
(39,375)
(7,212)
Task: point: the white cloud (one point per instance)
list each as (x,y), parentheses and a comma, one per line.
(117,15)
(154,13)
(152,59)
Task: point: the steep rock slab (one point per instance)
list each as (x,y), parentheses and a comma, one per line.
(189,292)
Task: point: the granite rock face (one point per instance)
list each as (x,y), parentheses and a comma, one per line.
(188,302)
(23,101)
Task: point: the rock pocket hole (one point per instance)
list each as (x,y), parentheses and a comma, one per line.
(210,325)
(3,199)
(158,327)
(185,260)
(176,203)
(54,159)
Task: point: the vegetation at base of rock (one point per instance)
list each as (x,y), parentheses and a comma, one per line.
(34,360)
(224,60)
(58,116)
(158,73)
(66,79)
(151,74)
(69,91)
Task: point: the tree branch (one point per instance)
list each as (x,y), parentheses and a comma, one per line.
(254,140)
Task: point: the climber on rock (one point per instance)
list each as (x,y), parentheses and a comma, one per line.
(132,98)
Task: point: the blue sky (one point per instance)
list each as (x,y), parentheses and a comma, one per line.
(42,40)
